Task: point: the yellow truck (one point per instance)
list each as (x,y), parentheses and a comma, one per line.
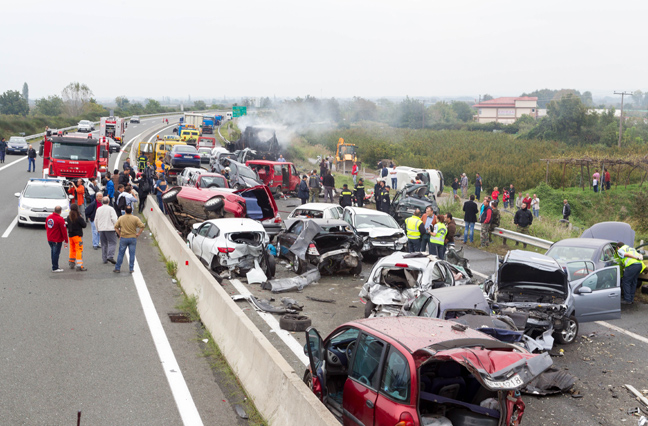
(190,136)
(161,148)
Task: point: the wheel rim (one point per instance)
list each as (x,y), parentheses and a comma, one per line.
(569,333)
(296,265)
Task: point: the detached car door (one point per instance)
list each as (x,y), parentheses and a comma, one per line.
(361,388)
(598,296)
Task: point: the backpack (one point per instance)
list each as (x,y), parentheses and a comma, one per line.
(121,202)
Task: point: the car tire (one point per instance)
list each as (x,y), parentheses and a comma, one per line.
(171,195)
(214,204)
(568,335)
(308,380)
(271,266)
(298,266)
(358,269)
(369,307)
(294,322)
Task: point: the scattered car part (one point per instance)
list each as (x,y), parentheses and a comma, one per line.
(551,381)
(293,322)
(291,303)
(297,283)
(262,305)
(317,299)
(240,411)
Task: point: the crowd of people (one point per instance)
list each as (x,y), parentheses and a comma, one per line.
(109,208)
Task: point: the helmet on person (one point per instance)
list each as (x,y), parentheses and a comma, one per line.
(227,169)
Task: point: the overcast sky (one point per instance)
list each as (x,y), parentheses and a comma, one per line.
(334,48)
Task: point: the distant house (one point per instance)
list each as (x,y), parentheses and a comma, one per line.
(506,110)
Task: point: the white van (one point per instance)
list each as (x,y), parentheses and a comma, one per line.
(406,174)
(228,115)
(436,178)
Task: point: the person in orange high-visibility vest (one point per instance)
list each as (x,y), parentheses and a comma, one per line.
(75,225)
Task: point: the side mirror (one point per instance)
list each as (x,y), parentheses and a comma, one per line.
(194,231)
(17,194)
(584,290)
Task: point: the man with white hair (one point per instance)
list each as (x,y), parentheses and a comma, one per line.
(105,220)
(464,185)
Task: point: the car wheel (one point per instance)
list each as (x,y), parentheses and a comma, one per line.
(298,266)
(214,204)
(294,322)
(271,266)
(308,379)
(569,333)
(171,195)
(358,269)
(369,307)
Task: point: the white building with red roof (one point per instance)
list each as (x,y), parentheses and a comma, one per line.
(506,110)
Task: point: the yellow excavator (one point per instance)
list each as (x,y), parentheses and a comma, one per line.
(345,155)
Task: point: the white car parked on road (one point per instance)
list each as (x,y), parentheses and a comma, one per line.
(38,199)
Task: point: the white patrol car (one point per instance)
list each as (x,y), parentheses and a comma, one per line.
(38,199)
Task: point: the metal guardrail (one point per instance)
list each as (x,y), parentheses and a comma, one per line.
(507,234)
(219,133)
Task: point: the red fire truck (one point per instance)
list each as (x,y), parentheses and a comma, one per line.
(74,156)
(113,127)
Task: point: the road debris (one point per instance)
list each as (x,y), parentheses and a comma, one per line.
(263,305)
(297,283)
(317,299)
(638,394)
(552,381)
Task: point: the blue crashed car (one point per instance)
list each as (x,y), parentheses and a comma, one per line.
(17,145)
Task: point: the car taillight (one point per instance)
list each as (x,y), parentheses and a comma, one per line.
(197,156)
(402,265)
(406,419)
(225,250)
(178,156)
(277,218)
(317,387)
(312,250)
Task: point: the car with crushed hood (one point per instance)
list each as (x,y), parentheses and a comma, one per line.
(331,245)
(410,198)
(233,245)
(537,293)
(399,277)
(414,371)
(187,205)
(381,233)
(240,175)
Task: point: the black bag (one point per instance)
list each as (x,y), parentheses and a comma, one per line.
(121,203)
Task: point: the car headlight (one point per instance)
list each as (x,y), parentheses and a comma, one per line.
(398,246)
(25,206)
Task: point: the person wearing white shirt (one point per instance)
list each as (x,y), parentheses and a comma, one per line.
(535,206)
(392,175)
(105,219)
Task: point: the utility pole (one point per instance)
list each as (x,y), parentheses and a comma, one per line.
(621,117)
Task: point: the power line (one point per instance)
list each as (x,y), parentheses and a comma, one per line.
(621,117)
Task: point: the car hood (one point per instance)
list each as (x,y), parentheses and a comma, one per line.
(381,232)
(497,365)
(325,242)
(515,274)
(48,205)
(611,231)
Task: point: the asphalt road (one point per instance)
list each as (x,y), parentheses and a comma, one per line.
(80,341)
(602,359)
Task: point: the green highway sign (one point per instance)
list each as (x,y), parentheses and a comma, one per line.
(239,111)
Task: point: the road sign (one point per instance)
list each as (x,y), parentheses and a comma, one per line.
(239,111)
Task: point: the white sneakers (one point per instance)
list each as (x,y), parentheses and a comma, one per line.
(58,270)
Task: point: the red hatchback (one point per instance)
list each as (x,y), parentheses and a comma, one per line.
(279,176)
(412,371)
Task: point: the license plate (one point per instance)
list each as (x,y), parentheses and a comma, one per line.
(188,156)
(513,382)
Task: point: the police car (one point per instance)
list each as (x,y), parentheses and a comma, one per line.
(38,199)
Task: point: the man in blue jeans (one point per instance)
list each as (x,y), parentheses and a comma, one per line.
(470,217)
(128,228)
(31,158)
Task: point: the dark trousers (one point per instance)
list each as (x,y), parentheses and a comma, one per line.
(2,156)
(55,249)
(414,246)
(31,165)
(108,244)
(629,281)
(304,200)
(477,192)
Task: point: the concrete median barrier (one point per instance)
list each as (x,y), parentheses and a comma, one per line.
(277,390)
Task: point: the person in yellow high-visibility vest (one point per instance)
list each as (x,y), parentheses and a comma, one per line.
(414,228)
(436,246)
(632,267)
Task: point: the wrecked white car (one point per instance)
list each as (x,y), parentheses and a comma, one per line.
(399,277)
(535,291)
(381,233)
(234,245)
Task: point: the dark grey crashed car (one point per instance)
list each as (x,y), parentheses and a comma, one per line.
(329,244)
(534,290)
(410,198)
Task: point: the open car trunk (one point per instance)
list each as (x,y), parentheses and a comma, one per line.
(260,203)
(473,385)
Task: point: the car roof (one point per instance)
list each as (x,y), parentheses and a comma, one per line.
(362,210)
(316,206)
(416,333)
(324,222)
(581,242)
(534,259)
(184,146)
(37,181)
(267,162)
(232,224)
(399,257)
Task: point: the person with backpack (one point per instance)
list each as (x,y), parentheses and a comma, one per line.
(143,190)
(124,199)
(75,225)
(110,187)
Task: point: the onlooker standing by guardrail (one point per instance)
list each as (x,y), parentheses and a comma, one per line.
(495,221)
(535,205)
(464,185)
(478,186)
(470,217)
(523,220)
(485,219)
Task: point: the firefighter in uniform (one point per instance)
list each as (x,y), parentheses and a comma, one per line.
(141,162)
(414,227)
(436,245)
(359,193)
(345,196)
(632,267)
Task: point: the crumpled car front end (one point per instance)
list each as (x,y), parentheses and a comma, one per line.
(336,252)
(380,242)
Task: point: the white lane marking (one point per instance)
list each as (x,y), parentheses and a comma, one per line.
(284,335)
(184,401)
(10,228)
(479,274)
(160,131)
(12,163)
(123,149)
(621,330)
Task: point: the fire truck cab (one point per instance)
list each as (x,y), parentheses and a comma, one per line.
(113,127)
(74,156)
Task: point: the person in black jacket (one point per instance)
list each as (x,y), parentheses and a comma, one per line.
(329,184)
(302,190)
(523,220)
(376,192)
(359,193)
(385,202)
(566,210)
(31,157)
(75,225)
(470,218)
(345,196)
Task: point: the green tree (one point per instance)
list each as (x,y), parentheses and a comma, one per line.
(12,102)
(487,97)
(363,109)
(75,96)
(92,110)
(50,106)
(638,99)
(463,111)
(199,105)
(332,109)
(122,102)
(587,99)
(25,92)
(152,106)
(440,113)
(565,120)
(411,113)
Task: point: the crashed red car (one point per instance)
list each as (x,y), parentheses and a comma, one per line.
(413,371)
(187,206)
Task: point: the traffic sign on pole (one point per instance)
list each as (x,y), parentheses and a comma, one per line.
(239,111)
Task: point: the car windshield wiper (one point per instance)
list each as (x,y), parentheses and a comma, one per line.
(379,223)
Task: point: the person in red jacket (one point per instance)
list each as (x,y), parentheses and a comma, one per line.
(56,236)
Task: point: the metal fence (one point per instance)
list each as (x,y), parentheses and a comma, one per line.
(506,234)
